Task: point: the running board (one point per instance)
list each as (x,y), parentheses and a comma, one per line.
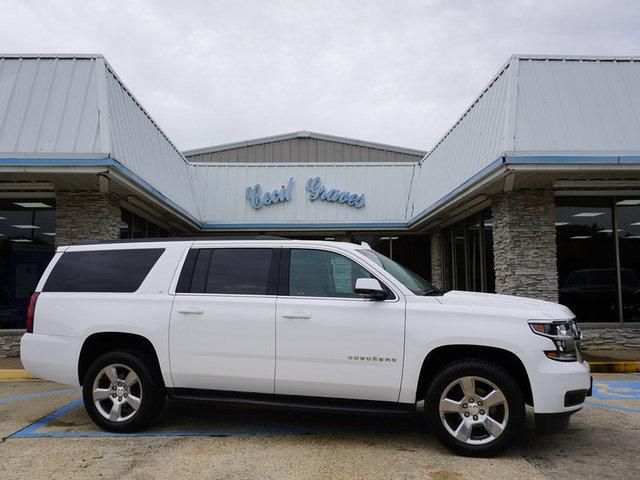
(293,402)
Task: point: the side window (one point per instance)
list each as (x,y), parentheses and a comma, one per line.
(121,271)
(236,271)
(317,273)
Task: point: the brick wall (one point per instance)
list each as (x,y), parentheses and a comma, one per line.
(436,260)
(524,244)
(86,216)
(614,338)
(9,345)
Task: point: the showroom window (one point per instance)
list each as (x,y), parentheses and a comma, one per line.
(467,254)
(411,251)
(27,244)
(598,241)
(134,226)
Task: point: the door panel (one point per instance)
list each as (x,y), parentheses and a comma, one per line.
(338,345)
(223,342)
(339,348)
(223,320)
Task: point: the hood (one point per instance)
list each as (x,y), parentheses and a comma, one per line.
(538,308)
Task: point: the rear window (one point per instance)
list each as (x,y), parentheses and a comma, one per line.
(102,270)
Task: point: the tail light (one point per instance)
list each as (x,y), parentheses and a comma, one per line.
(31,311)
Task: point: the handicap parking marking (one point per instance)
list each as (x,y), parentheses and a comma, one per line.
(616,390)
(35,430)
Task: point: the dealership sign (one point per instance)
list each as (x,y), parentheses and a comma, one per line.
(315,191)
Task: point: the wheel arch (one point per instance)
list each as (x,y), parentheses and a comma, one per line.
(443,355)
(98,344)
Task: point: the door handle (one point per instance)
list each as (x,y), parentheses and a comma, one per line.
(299,315)
(191,311)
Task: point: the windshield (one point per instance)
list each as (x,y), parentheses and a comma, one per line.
(412,281)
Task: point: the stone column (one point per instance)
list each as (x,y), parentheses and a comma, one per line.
(524,244)
(86,215)
(436,260)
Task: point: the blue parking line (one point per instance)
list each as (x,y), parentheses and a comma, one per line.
(33,430)
(43,422)
(30,396)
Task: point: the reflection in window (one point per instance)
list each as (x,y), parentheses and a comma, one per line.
(628,220)
(27,244)
(467,254)
(411,251)
(134,226)
(587,277)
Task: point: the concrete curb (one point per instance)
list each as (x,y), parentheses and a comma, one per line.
(10,374)
(615,367)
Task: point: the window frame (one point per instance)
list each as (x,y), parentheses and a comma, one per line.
(285,264)
(185,275)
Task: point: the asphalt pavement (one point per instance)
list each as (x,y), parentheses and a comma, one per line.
(45,433)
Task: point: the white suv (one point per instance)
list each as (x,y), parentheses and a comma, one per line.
(309,324)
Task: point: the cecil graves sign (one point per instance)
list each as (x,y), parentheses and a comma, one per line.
(315,191)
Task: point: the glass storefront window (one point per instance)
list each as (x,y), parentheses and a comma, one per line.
(467,254)
(411,251)
(628,222)
(27,244)
(447,260)
(487,247)
(134,226)
(586,253)
(460,257)
(474,252)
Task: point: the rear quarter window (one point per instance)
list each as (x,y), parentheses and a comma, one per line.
(102,270)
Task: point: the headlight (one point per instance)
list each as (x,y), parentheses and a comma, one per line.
(565,336)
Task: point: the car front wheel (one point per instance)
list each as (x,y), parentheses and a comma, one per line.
(122,393)
(474,408)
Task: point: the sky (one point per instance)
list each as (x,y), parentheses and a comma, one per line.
(395,72)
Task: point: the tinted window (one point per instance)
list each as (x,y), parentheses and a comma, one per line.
(316,273)
(102,270)
(240,271)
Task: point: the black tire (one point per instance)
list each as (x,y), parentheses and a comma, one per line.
(514,416)
(150,385)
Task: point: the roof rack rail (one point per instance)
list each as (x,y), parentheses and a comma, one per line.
(182,239)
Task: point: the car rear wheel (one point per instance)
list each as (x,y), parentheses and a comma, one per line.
(474,408)
(122,392)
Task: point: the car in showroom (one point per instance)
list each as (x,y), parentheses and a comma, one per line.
(267,321)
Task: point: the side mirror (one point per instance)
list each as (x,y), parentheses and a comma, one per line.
(371,288)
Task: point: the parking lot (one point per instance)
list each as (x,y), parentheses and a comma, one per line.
(45,433)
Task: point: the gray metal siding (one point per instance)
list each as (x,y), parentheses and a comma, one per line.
(138,144)
(49,105)
(475,141)
(221,192)
(578,106)
(303,149)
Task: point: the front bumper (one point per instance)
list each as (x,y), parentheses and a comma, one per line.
(551,381)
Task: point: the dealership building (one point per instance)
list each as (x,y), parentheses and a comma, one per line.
(534,190)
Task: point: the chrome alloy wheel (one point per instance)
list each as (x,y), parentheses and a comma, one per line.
(474,410)
(117,392)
